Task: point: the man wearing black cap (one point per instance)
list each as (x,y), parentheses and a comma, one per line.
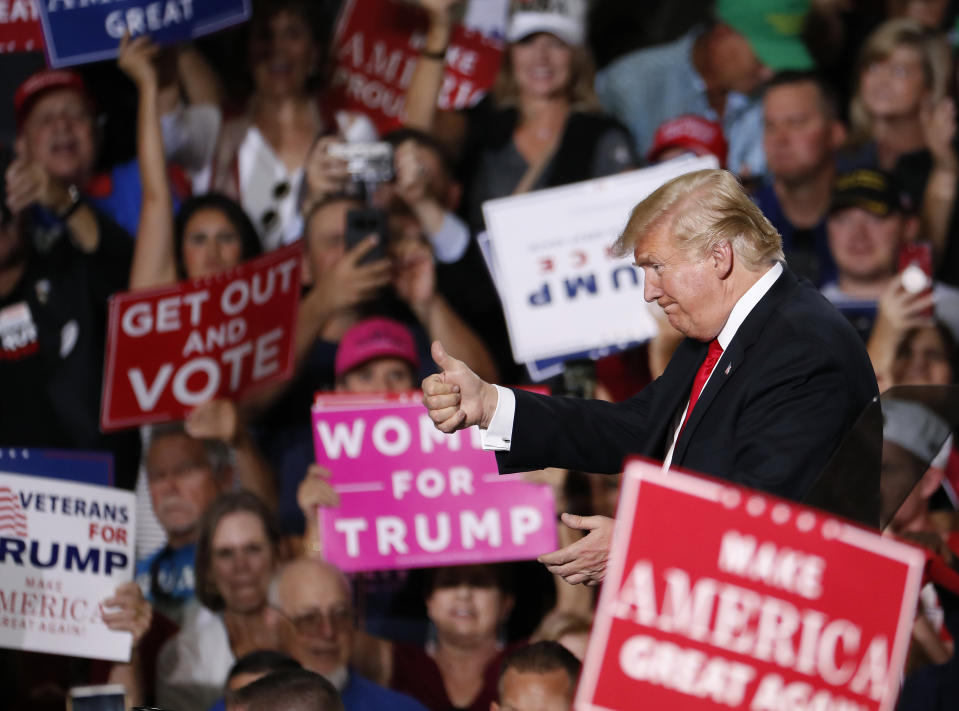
(870,220)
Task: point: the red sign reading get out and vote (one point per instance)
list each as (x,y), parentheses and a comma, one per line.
(173,348)
(411,496)
(720,597)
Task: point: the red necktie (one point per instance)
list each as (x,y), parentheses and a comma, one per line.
(713,355)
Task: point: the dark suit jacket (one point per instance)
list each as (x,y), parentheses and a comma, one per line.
(792,382)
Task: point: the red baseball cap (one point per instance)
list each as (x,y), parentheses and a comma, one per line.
(40,83)
(371,338)
(694,133)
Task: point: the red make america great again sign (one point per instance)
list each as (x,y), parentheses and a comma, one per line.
(173,348)
(720,597)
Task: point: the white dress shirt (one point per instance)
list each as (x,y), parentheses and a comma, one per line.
(497,437)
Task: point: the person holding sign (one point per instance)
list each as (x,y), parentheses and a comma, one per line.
(540,127)
(761,392)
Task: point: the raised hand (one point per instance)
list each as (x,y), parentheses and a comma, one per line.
(939,129)
(325,174)
(899,310)
(585,560)
(349,282)
(29,183)
(127,611)
(414,275)
(216,419)
(136,60)
(439,8)
(315,490)
(457,398)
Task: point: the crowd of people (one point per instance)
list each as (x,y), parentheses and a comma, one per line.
(838,117)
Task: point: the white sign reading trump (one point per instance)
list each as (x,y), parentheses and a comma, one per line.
(562,290)
(64,548)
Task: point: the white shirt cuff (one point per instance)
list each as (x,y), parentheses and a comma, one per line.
(451,239)
(497,437)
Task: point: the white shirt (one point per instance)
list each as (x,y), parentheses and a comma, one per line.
(450,240)
(261,172)
(497,436)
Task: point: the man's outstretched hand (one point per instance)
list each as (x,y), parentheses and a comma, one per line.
(457,397)
(585,560)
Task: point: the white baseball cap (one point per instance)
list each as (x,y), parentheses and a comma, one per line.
(563,18)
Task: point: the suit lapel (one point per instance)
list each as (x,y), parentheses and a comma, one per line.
(746,335)
(673,389)
(731,359)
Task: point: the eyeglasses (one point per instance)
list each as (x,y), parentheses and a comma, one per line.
(314,622)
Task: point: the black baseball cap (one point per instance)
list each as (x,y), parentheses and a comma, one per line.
(871,190)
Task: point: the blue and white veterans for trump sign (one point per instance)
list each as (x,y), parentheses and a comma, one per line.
(64,548)
(81,31)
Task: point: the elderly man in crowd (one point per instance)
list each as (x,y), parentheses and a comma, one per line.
(315,596)
(188,464)
(762,390)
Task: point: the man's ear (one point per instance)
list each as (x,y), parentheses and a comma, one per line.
(493,706)
(721,258)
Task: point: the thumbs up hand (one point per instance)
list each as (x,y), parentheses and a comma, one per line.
(457,398)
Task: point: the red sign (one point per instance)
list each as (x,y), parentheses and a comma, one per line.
(720,597)
(172,348)
(376,49)
(20,29)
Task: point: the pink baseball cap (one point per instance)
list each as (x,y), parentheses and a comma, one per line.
(694,133)
(371,338)
(40,83)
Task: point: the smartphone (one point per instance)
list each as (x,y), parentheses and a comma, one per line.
(105,697)
(364,222)
(366,162)
(915,269)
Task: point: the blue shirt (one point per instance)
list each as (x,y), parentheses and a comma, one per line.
(122,202)
(361,694)
(168,573)
(652,85)
(807,251)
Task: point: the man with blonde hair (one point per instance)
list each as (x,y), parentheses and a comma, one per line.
(762,390)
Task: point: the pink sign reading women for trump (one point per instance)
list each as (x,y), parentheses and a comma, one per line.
(411,496)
